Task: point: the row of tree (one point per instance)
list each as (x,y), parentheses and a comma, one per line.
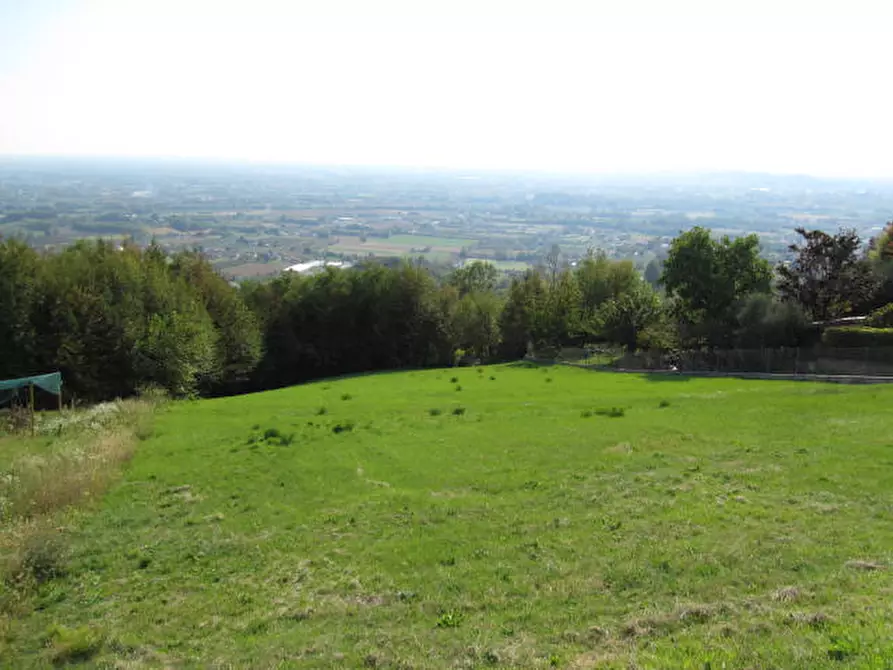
(116,318)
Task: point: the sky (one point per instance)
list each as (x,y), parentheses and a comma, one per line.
(784,86)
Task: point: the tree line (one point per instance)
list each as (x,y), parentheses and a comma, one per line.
(116,319)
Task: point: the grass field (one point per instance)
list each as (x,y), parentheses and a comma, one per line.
(503,517)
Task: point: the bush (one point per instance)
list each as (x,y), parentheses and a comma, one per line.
(766,322)
(882,317)
(857,336)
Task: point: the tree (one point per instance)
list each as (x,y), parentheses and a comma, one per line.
(477,323)
(653,271)
(708,277)
(827,277)
(238,346)
(624,318)
(560,317)
(19,294)
(601,280)
(522,315)
(474,277)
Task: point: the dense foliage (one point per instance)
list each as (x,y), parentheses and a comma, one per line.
(116,318)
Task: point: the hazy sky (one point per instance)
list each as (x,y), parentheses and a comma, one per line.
(616,85)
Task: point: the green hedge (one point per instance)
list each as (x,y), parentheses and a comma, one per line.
(882,317)
(857,336)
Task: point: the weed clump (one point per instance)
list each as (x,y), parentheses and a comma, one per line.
(435,411)
(275,436)
(664,403)
(586,413)
(344,427)
(450,620)
(346,396)
(458,387)
(454,380)
(492,378)
(613,412)
(322,411)
(458,411)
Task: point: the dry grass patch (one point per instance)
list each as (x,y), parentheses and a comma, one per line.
(38,485)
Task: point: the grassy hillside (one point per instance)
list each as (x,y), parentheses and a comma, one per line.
(499,517)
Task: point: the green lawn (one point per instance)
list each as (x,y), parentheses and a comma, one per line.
(567,518)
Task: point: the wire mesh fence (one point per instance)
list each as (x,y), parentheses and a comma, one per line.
(818,360)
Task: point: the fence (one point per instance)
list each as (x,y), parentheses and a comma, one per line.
(818,360)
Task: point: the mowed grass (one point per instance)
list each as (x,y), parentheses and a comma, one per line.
(538,517)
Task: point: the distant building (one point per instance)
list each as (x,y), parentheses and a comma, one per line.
(311,267)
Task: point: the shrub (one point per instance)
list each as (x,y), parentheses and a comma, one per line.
(41,557)
(882,317)
(458,411)
(434,411)
(18,419)
(857,336)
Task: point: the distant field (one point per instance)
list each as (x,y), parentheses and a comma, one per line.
(254,269)
(506,517)
(399,244)
(506,266)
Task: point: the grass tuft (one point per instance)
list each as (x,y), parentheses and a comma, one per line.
(74,645)
(435,411)
(611,412)
(458,411)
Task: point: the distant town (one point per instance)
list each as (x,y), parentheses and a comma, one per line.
(256,220)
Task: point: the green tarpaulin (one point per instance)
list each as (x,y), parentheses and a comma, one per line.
(51,383)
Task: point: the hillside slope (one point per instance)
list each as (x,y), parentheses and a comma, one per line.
(498,517)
